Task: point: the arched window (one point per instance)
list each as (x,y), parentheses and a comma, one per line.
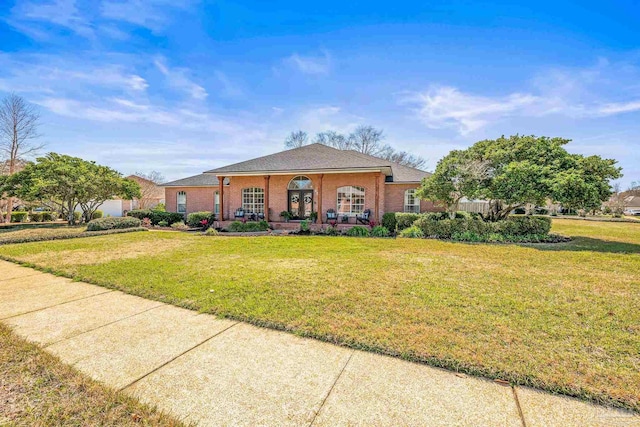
(350,200)
(253,200)
(411,202)
(300,183)
(181,202)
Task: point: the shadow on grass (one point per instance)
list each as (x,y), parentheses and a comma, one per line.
(592,245)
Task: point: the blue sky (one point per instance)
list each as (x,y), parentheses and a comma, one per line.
(182,86)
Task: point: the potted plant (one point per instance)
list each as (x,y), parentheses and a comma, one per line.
(286,215)
(313,216)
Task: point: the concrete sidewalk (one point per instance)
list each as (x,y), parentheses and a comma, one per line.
(220,372)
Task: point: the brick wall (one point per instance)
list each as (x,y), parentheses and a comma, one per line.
(198,198)
(394,199)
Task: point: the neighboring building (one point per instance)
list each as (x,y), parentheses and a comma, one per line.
(151,195)
(313,178)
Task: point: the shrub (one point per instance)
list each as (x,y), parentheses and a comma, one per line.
(112,223)
(195,219)
(49,216)
(389,221)
(211,232)
(179,225)
(304,226)
(76,216)
(146,222)
(19,216)
(157,216)
(36,216)
(358,231)
(160,207)
(70,235)
(522,225)
(163,224)
(97,214)
(250,226)
(331,230)
(413,232)
(380,231)
(405,220)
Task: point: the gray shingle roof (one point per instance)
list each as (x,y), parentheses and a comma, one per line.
(202,180)
(318,157)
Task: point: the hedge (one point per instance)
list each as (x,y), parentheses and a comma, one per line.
(389,221)
(112,223)
(458,227)
(36,238)
(97,215)
(195,219)
(36,216)
(156,216)
(244,227)
(405,220)
(19,216)
(49,216)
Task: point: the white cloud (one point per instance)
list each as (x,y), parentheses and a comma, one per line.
(151,14)
(179,79)
(314,65)
(603,90)
(63,13)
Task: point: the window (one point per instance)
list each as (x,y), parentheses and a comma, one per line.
(350,200)
(182,202)
(216,203)
(411,202)
(300,183)
(253,200)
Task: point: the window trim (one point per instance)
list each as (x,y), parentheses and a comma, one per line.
(178,204)
(254,205)
(415,206)
(349,191)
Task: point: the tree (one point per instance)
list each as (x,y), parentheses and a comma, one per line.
(455,176)
(365,139)
(296,139)
(519,170)
(64,183)
(634,188)
(148,188)
(18,130)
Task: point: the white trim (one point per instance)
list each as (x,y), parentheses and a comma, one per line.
(382,169)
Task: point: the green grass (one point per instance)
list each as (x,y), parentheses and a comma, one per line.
(561,317)
(37,389)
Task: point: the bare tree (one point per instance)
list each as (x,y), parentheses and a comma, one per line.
(634,188)
(368,140)
(18,131)
(149,190)
(334,139)
(296,139)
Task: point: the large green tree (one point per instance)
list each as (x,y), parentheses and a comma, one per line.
(512,172)
(64,183)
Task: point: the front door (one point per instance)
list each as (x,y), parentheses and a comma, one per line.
(301,203)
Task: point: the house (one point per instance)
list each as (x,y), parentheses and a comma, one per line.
(312,178)
(151,194)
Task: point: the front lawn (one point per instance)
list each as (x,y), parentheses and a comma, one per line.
(561,317)
(9,235)
(36,389)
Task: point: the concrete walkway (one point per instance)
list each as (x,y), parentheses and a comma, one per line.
(219,372)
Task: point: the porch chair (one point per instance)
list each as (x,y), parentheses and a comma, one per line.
(332,215)
(364,218)
(239,214)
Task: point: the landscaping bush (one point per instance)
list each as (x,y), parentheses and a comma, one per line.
(70,235)
(405,220)
(475,229)
(156,216)
(49,216)
(76,216)
(389,221)
(522,225)
(179,225)
(36,216)
(112,223)
(380,231)
(97,215)
(19,216)
(163,224)
(211,232)
(413,232)
(331,230)
(358,231)
(251,226)
(195,219)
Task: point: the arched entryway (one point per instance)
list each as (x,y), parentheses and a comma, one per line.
(300,197)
